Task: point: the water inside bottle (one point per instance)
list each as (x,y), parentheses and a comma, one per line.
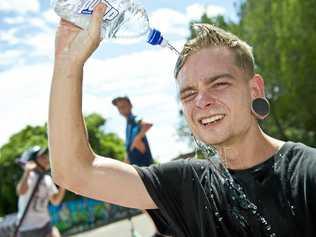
(131,24)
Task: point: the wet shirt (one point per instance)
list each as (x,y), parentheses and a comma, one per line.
(195,201)
(135,157)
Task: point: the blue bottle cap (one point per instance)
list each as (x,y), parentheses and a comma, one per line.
(154,37)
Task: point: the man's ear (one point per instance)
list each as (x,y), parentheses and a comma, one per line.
(256,86)
(260,106)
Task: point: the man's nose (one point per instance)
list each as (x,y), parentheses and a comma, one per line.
(204,99)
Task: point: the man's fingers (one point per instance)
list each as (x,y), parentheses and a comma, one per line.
(96,21)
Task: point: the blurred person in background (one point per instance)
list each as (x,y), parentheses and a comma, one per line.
(136,143)
(36,222)
(137,146)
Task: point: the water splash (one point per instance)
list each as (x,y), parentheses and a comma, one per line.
(233,190)
(173,49)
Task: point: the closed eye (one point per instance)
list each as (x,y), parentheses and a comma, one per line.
(188,95)
(220,85)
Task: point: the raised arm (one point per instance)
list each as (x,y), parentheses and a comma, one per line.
(22,186)
(57,198)
(74,165)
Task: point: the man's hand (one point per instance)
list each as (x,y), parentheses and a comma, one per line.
(75,44)
(22,186)
(138,144)
(57,198)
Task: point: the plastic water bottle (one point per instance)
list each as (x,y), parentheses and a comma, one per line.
(123,19)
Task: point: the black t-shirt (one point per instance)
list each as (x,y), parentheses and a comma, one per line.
(283,188)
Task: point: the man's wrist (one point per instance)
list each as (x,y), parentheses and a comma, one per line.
(68,61)
(68,69)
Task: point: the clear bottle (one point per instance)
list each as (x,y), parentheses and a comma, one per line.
(123,19)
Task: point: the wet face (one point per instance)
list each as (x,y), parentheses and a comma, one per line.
(43,161)
(124,107)
(216,96)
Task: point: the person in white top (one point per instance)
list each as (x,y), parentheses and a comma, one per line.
(37,220)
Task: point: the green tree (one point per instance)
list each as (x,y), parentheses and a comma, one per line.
(283,34)
(105,144)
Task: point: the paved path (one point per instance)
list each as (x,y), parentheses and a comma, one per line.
(142,223)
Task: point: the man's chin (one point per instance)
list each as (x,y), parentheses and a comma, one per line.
(212,140)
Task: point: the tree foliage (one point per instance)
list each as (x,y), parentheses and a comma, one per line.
(283,34)
(105,144)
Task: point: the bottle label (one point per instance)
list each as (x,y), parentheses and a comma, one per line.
(88,6)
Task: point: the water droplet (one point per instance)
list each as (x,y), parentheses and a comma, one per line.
(252,206)
(220,219)
(268,227)
(273,235)
(205,207)
(216,213)
(263,221)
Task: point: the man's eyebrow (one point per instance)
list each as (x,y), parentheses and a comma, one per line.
(187,88)
(207,81)
(214,78)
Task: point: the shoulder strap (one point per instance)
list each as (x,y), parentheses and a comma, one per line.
(41,175)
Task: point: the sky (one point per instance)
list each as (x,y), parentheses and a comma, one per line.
(139,70)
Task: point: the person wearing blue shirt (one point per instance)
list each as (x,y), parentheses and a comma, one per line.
(137,147)
(136,143)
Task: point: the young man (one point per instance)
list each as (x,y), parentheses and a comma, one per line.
(268,187)
(37,220)
(137,147)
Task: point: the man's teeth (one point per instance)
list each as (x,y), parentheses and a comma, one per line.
(212,119)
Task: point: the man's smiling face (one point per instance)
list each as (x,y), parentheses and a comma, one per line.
(215,95)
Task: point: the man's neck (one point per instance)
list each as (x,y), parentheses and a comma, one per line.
(254,147)
(128,116)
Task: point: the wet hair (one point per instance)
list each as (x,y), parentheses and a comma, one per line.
(212,36)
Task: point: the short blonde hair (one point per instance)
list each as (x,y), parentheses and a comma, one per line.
(212,36)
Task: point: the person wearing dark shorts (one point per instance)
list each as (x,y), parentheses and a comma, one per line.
(137,148)
(44,231)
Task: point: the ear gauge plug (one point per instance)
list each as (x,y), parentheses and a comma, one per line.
(260,107)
